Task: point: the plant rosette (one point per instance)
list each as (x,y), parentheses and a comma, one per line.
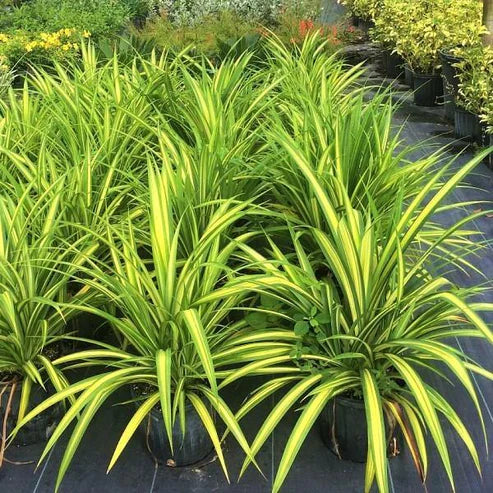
(368,328)
(37,266)
(175,320)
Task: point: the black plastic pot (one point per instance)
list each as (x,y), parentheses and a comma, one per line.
(188,449)
(365,25)
(488,142)
(428,88)
(393,64)
(139,21)
(408,76)
(344,430)
(450,82)
(362,24)
(39,429)
(468,126)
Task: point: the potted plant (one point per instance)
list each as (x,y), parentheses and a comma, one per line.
(417,44)
(475,90)
(36,270)
(487,120)
(363,12)
(468,32)
(182,342)
(369,315)
(388,26)
(428,28)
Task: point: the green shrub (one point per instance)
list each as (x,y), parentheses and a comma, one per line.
(419,30)
(370,316)
(100,17)
(266,12)
(475,73)
(207,37)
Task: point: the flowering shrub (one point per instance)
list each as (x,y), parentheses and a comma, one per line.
(21,48)
(217,33)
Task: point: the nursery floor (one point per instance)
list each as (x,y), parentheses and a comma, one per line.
(316,468)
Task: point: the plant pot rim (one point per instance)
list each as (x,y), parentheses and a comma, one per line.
(459,109)
(349,401)
(15,378)
(157,411)
(426,75)
(446,53)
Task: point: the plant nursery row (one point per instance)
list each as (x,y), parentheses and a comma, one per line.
(175,221)
(437,47)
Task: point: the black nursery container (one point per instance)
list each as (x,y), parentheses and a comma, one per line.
(393,64)
(39,429)
(468,126)
(363,25)
(428,88)
(408,76)
(188,449)
(451,82)
(488,142)
(344,430)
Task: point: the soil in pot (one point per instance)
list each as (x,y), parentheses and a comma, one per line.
(344,430)
(188,449)
(393,64)
(40,428)
(450,82)
(428,88)
(468,126)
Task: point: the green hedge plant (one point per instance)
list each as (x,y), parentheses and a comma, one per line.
(419,30)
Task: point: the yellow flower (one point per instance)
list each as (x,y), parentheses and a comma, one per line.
(31,45)
(3,38)
(86,34)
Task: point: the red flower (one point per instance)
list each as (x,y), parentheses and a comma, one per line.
(304,27)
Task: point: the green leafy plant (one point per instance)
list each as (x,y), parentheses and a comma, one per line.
(36,282)
(6,75)
(370,314)
(364,9)
(100,17)
(206,37)
(97,145)
(419,30)
(475,74)
(176,311)
(325,120)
